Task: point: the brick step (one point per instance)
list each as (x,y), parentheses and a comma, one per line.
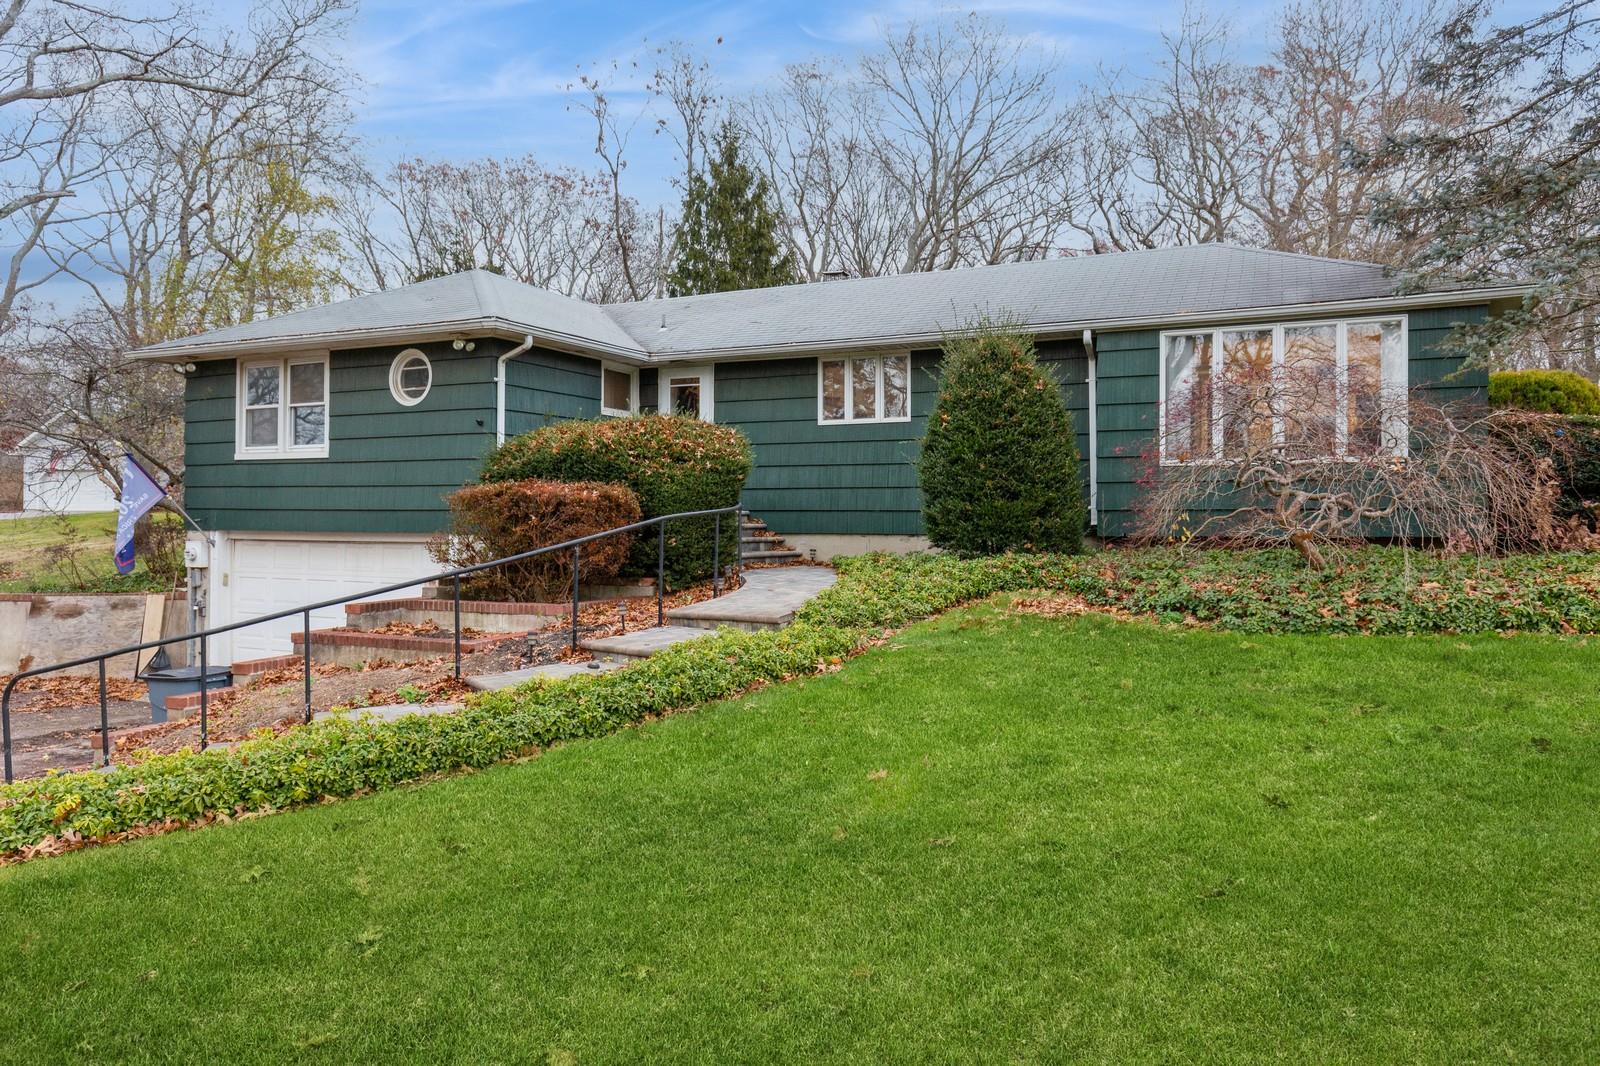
(353,647)
(489,616)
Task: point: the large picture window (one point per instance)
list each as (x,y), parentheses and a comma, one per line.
(1312,389)
(866,388)
(283,408)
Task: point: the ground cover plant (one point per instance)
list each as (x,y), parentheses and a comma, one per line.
(1390,592)
(992,838)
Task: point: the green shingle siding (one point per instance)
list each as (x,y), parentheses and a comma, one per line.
(543,386)
(388,466)
(810,478)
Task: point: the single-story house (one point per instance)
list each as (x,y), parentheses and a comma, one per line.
(320,444)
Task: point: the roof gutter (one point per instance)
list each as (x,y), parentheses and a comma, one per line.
(500,387)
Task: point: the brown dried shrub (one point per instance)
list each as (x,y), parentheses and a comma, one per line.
(506,518)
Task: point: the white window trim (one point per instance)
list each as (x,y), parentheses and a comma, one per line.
(283,449)
(850,387)
(633,389)
(394,377)
(708,388)
(1401,432)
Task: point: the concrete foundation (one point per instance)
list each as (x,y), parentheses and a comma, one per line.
(829,545)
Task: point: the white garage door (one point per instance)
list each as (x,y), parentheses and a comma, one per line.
(269,575)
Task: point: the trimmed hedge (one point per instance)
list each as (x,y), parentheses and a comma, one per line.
(999,464)
(672,464)
(507,518)
(1380,590)
(1558,392)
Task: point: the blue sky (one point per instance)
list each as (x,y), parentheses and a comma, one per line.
(489,77)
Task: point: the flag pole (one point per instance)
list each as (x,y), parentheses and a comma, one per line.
(167,499)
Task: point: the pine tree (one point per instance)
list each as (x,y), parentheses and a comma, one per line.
(727,237)
(999,466)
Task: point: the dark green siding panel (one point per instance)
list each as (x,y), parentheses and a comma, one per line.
(544,386)
(810,478)
(388,466)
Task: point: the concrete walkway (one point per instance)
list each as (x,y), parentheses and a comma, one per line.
(768,599)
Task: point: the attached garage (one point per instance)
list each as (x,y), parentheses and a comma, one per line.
(259,574)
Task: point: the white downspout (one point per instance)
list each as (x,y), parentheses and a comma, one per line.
(1094,433)
(500,387)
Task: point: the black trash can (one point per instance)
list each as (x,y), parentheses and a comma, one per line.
(178,681)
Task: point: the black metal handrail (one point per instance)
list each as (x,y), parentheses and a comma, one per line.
(575,546)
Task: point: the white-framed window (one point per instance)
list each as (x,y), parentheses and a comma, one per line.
(1345,379)
(864,388)
(410,377)
(619,390)
(283,408)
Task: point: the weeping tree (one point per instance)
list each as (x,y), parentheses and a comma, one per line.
(999,466)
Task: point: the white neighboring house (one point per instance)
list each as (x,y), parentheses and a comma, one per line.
(58,479)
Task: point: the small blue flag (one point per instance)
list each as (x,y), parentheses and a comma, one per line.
(139,493)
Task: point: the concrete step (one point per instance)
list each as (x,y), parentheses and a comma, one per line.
(350,647)
(388,712)
(769,556)
(642,644)
(750,527)
(768,600)
(513,678)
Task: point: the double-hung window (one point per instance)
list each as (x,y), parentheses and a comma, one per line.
(283,408)
(864,388)
(1315,390)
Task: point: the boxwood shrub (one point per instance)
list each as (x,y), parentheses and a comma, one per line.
(672,464)
(999,464)
(1558,392)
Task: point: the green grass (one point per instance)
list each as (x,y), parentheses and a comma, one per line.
(1095,841)
(28,548)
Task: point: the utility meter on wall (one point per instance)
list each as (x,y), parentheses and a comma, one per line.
(196,554)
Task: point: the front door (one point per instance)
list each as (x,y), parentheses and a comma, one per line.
(686,390)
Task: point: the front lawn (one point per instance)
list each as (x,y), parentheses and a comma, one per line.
(69,553)
(993,838)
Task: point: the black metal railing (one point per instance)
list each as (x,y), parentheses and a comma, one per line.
(575,546)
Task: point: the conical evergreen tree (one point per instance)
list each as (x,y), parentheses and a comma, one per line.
(999,466)
(727,237)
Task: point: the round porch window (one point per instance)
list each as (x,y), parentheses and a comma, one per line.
(410,377)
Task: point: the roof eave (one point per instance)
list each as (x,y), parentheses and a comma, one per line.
(933,338)
(328,340)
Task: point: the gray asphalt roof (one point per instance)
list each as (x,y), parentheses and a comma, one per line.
(465,302)
(1057,294)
